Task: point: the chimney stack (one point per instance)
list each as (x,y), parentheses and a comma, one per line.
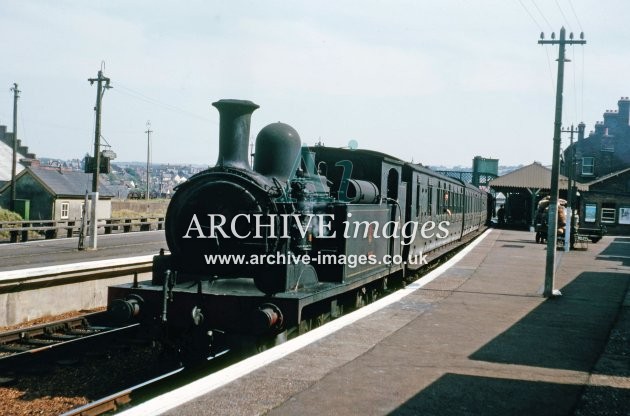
(235,118)
(624,111)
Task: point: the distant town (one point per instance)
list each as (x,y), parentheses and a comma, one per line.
(128,180)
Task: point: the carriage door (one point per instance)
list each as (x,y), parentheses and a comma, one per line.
(395,193)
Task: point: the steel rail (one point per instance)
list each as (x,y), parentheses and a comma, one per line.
(25,344)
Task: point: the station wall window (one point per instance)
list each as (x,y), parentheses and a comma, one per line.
(590,212)
(65,209)
(588,166)
(609,213)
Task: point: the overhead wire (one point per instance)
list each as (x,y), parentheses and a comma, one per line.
(142,97)
(23,135)
(91,140)
(553,81)
(566,21)
(576,17)
(545,46)
(578,107)
(568,25)
(582,92)
(575,105)
(531,16)
(575,76)
(542,15)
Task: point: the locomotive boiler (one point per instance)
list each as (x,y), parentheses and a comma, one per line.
(234,209)
(258,254)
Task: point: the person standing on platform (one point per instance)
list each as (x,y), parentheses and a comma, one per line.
(501,216)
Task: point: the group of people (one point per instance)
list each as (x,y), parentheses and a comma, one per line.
(542,213)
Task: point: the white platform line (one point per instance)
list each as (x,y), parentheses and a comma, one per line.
(209,383)
(72,267)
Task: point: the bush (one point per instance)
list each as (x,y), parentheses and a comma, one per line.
(6,215)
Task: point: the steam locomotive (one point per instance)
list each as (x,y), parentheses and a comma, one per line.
(260,254)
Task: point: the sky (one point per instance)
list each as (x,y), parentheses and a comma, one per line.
(434,82)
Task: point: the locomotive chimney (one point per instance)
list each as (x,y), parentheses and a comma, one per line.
(235,116)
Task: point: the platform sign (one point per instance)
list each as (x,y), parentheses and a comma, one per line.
(104,164)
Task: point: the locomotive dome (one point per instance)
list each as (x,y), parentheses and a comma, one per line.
(277,149)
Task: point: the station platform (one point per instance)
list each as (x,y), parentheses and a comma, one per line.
(479,339)
(52,277)
(63,251)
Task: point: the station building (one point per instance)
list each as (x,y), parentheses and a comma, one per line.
(46,193)
(601,161)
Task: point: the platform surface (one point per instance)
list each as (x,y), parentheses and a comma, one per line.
(42,253)
(478,340)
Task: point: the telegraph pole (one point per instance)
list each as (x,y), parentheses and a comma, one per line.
(100,90)
(552,232)
(569,228)
(148,132)
(16,95)
(97,129)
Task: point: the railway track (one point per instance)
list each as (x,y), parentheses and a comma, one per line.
(158,385)
(114,401)
(56,338)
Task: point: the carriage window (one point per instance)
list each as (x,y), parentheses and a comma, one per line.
(430,200)
(455,206)
(443,201)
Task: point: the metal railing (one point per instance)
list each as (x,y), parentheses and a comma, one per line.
(15,231)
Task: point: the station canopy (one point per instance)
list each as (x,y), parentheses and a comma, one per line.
(534,177)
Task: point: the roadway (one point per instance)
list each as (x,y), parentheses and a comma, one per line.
(18,256)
